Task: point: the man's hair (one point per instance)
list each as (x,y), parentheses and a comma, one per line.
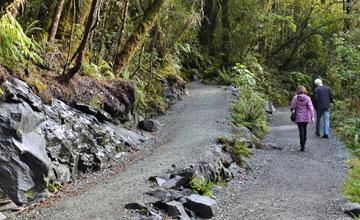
(301,90)
(318,82)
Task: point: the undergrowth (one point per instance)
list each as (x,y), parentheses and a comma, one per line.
(202,186)
(237,147)
(248,111)
(347,122)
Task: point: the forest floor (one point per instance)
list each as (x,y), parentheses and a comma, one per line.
(285,184)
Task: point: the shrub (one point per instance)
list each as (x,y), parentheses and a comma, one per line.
(351,187)
(249,112)
(15,47)
(202,186)
(237,147)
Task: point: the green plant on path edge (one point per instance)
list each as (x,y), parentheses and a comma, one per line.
(202,186)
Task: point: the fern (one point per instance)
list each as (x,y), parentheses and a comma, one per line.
(15,46)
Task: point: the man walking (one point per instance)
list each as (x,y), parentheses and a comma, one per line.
(322,99)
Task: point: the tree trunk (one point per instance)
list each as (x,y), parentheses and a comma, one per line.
(226,33)
(208,26)
(122,26)
(56,20)
(347,9)
(81,50)
(127,52)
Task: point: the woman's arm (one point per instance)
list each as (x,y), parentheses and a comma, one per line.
(293,103)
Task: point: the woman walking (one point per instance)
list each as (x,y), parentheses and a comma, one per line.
(304,113)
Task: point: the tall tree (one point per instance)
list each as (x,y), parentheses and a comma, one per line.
(56,20)
(122,58)
(122,26)
(208,26)
(81,50)
(225,33)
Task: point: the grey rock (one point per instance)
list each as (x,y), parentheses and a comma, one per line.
(226,159)
(2,216)
(269,107)
(8,206)
(149,125)
(135,206)
(236,171)
(203,206)
(177,209)
(164,195)
(352,209)
(40,142)
(18,91)
(243,132)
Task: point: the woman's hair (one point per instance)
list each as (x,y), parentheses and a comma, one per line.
(301,90)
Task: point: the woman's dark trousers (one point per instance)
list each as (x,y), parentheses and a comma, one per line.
(302,133)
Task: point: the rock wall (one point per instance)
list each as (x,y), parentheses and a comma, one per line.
(42,143)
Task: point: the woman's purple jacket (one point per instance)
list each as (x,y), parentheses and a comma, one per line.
(304,108)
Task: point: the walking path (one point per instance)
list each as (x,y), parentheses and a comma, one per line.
(289,184)
(286,184)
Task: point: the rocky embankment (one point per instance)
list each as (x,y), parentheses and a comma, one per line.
(45,144)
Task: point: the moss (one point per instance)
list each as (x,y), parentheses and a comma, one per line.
(351,188)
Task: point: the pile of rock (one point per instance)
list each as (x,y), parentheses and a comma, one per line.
(42,143)
(174,193)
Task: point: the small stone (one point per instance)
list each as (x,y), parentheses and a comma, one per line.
(203,206)
(352,209)
(149,125)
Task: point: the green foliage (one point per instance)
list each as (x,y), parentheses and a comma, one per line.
(351,187)
(237,147)
(202,186)
(15,47)
(238,75)
(249,112)
(54,186)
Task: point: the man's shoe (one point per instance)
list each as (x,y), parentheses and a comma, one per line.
(325,136)
(317,134)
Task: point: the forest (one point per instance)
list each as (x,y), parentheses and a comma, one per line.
(78,50)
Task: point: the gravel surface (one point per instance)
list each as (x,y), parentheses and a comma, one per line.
(187,134)
(285,184)
(288,184)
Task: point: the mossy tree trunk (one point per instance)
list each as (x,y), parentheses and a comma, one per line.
(125,55)
(208,26)
(81,50)
(56,20)
(225,33)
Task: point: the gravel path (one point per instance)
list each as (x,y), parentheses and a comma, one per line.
(289,184)
(187,133)
(286,184)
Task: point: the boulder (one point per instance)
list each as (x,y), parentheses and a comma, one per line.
(203,206)
(352,209)
(149,125)
(24,160)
